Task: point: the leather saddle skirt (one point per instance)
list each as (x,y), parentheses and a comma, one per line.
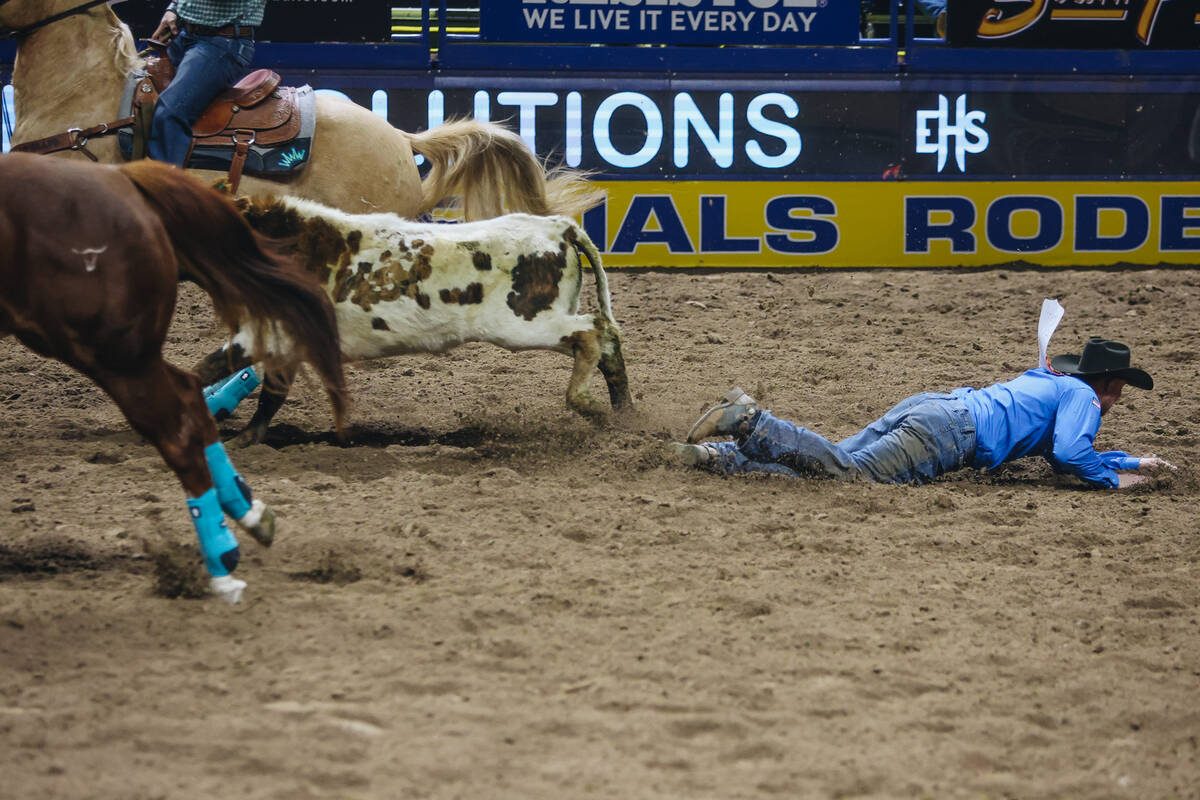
(276,122)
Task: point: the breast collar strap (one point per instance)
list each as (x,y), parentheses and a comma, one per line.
(11,33)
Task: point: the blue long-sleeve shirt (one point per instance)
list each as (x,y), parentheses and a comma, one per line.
(1043,413)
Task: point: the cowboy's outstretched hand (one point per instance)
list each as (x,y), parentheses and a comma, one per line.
(1151,462)
(168,27)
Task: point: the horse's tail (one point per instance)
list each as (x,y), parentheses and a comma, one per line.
(603,296)
(491,170)
(239,269)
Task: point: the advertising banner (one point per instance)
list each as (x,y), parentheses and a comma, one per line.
(713,22)
(288,20)
(870,130)
(848,174)
(1078,24)
(908,224)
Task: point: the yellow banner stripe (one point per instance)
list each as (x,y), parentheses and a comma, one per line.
(868,223)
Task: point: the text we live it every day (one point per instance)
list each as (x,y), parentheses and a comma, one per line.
(675,20)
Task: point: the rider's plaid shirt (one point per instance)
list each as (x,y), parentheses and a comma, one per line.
(219,13)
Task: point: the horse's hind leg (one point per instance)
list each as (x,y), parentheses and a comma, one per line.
(223,398)
(220,364)
(236,499)
(274,392)
(165,404)
(612,366)
(228,379)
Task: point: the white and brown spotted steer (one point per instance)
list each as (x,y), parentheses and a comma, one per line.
(407,287)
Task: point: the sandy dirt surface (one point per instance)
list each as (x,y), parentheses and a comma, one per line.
(482,596)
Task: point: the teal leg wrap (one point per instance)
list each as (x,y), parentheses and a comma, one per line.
(217,543)
(222,398)
(232,491)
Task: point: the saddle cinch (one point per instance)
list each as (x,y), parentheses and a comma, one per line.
(254,126)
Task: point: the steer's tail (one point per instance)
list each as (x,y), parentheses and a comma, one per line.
(585,244)
(612,362)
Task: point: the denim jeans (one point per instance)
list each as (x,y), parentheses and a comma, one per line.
(922,437)
(204,65)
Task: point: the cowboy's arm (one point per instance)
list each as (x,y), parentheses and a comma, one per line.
(168,26)
(1075,427)
(1115,459)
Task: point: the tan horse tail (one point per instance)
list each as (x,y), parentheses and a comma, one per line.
(603,297)
(247,279)
(492,172)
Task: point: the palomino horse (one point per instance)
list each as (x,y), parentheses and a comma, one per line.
(72,60)
(90,258)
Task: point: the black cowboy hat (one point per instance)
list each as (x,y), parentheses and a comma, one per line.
(1102,358)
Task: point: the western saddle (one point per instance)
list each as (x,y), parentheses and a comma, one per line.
(255,110)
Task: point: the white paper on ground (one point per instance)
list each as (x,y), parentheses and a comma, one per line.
(1052,314)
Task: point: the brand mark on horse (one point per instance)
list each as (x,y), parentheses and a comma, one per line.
(90,255)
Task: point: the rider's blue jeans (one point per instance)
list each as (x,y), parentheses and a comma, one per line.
(204,65)
(917,440)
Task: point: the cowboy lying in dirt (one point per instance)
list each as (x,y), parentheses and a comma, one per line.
(1053,411)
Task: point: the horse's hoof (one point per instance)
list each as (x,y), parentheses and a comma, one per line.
(264,530)
(228,588)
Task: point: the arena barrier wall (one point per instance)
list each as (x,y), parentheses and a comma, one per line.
(854,171)
(844,152)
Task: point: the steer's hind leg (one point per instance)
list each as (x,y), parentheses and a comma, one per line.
(585,346)
(612,365)
(275,390)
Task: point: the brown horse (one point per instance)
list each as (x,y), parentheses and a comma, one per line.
(90,258)
(70,73)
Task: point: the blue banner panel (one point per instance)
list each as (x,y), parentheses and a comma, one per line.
(817,130)
(714,22)
(1076,24)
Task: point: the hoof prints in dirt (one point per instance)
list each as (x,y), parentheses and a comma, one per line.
(339,569)
(485,441)
(331,568)
(281,436)
(177,571)
(53,557)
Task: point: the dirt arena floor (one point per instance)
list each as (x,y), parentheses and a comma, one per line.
(482,596)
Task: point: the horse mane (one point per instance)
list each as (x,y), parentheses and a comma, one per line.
(124,50)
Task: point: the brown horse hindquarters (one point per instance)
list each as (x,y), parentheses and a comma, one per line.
(91,266)
(90,278)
